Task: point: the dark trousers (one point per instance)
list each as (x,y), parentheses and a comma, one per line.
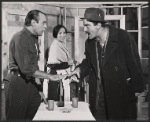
(22,98)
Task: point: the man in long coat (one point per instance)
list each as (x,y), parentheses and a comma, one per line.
(114,68)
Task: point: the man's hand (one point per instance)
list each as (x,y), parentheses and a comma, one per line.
(74,79)
(57,77)
(38,81)
(74,75)
(43,97)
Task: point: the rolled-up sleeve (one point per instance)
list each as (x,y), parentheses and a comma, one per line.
(26,55)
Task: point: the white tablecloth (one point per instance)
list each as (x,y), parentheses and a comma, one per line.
(80,113)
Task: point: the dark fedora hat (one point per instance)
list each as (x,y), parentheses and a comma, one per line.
(94,14)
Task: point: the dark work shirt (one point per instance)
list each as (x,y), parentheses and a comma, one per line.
(23,52)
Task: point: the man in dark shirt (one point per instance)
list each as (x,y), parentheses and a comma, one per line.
(23,86)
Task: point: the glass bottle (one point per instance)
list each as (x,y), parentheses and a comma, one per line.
(60,102)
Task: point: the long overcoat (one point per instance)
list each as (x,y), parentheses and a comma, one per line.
(122,73)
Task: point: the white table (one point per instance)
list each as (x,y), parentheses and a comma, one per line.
(80,113)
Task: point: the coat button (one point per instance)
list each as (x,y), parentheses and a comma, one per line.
(116,68)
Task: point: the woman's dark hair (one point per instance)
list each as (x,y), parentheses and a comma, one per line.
(57,29)
(32,15)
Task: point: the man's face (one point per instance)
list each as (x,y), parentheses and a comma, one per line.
(40,27)
(90,29)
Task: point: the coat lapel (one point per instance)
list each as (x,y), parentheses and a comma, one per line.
(92,52)
(111,44)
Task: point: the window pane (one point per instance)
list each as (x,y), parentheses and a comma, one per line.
(145,43)
(131,18)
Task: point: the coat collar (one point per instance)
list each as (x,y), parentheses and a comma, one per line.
(112,43)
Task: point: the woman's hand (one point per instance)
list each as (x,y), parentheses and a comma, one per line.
(71,62)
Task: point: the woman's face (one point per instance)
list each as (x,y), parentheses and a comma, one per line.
(61,36)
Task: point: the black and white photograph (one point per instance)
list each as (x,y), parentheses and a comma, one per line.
(75,61)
